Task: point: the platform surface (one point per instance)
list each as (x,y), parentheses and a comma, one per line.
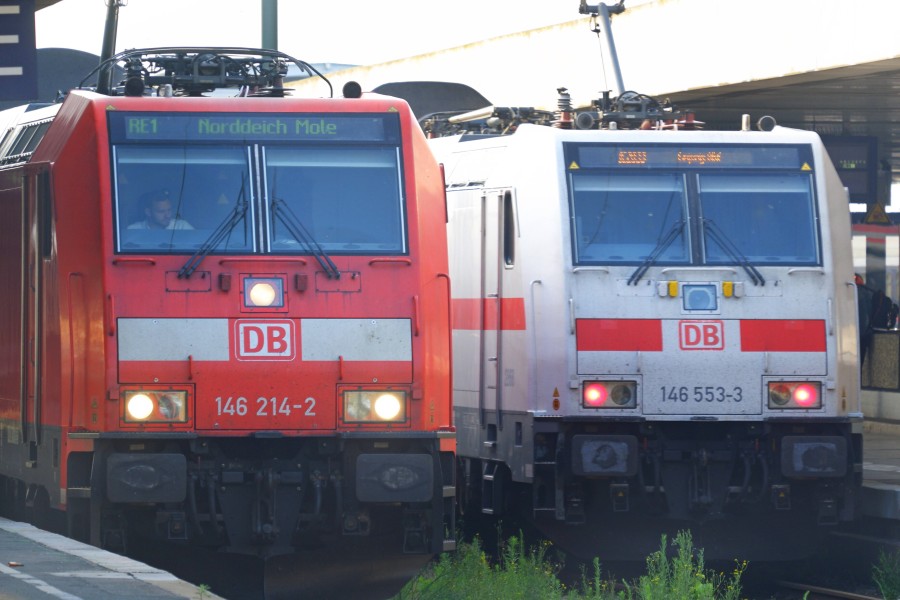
(36,564)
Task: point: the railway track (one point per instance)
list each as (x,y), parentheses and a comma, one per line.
(814,592)
(843,569)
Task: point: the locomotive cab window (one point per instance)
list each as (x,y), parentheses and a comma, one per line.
(236,183)
(172,198)
(767,218)
(651,204)
(345,200)
(624,218)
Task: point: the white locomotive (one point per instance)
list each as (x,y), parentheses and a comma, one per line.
(653,329)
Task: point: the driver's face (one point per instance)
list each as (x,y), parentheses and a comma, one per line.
(160,214)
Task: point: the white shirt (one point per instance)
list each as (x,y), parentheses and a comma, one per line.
(173,224)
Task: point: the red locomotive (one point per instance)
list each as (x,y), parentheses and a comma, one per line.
(226,319)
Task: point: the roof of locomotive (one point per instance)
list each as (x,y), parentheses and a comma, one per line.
(486,159)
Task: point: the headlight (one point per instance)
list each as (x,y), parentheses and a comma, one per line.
(387,407)
(155,406)
(699,297)
(374,406)
(139,406)
(609,394)
(263,292)
(795,394)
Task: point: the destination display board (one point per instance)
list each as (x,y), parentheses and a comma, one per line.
(252,127)
(703,156)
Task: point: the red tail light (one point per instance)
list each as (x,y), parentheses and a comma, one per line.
(609,394)
(806,395)
(595,395)
(795,394)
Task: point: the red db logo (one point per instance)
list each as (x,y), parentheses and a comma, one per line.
(264,340)
(701,335)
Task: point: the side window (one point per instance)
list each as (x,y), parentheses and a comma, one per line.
(45,214)
(509,230)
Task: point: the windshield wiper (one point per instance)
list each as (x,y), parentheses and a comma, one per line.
(215,238)
(300,233)
(732,251)
(661,247)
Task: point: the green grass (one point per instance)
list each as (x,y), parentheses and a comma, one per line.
(530,573)
(886,574)
(684,576)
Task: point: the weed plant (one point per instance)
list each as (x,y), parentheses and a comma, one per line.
(684,576)
(469,574)
(886,574)
(530,574)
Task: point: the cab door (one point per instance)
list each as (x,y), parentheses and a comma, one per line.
(475,236)
(490,317)
(35,249)
(13,297)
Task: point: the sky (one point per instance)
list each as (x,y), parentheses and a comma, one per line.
(317,31)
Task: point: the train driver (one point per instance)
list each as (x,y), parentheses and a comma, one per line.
(159,213)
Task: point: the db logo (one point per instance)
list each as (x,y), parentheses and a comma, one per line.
(264,340)
(701,335)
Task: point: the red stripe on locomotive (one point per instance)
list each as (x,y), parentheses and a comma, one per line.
(617,335)
(759,335)
(783,335)
(468,312)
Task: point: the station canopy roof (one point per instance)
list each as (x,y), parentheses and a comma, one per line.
(857,100)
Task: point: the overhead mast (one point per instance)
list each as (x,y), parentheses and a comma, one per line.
(104,78)
(270,24)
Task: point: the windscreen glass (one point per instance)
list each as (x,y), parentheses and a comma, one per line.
(692,204)
(624,218)
(172,198)
(257,183)
(765,218)
(343,199)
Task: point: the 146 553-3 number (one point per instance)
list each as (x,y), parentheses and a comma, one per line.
(701,393)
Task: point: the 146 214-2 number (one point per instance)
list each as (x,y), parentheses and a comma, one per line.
(264,407)
(701,393)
